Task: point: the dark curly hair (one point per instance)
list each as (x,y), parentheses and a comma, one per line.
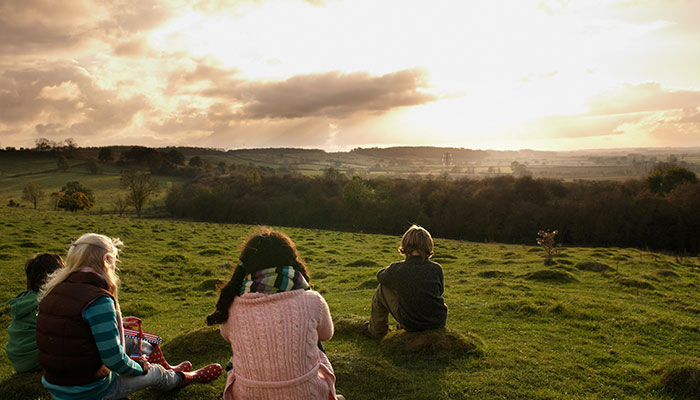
(265,248)
(39,266)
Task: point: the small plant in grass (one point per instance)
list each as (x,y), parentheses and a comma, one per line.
(546,241)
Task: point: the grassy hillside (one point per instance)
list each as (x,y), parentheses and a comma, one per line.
(18,169)
(573,330)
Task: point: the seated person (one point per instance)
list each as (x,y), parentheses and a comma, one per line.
(21,345)
(411,290)
(274,323)
(80,334)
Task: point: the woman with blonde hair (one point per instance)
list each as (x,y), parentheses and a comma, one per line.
(80,335)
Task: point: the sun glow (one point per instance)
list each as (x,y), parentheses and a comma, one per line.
(345,73)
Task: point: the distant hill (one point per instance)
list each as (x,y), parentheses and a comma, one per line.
(421,152)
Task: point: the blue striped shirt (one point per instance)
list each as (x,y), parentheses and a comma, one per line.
(101,315)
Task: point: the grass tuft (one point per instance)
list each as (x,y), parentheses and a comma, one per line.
(368,284)
(492,274)
(636,283)
(550,275)
(667,273)
(22,386)
(211,252)
(438,343)
(362,263)
(201,346)
(210,285)
(593,266)
(173,258)
(680,377)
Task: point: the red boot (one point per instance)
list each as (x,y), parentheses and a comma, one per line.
(157,357)
(202,375)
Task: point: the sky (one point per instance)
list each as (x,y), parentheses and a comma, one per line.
(340,74)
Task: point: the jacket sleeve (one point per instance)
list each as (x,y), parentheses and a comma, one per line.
(385,276)
(101,315)
(325,325)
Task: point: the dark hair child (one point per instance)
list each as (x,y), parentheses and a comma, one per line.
(273,322)
(21,346)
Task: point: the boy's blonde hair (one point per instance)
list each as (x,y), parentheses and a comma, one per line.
(92,250)
(417,238)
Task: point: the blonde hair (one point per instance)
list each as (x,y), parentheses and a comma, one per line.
(417,238)
(98,252)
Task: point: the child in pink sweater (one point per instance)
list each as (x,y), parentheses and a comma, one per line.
(274,324)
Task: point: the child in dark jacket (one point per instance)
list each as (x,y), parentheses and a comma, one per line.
(411,290)
(21,346)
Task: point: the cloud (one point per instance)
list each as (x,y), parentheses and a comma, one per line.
(45,26)
(643,97)
(181,79)
(63,99)
(646,108)
(330,94)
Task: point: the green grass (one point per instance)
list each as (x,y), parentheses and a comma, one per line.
(540,332)
(40,169)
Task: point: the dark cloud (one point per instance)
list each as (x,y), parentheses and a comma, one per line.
(45,26)
(180,79)
(643,98)
(690,116)
(330,94)
(63,100)
(130,48)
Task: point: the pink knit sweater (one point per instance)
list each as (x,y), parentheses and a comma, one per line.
(274,342)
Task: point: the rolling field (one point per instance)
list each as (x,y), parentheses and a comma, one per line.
(600,323)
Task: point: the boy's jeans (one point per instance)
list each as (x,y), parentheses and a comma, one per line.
(157,377)
(384,301)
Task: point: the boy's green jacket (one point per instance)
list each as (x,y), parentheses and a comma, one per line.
(21,345)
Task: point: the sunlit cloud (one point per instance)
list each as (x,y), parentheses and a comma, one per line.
(337,74)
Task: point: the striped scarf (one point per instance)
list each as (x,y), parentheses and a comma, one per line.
(274,280)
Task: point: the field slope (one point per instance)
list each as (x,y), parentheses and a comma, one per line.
(600,323)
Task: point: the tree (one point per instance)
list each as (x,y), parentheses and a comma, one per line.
(221,167)
(545,240)
(43,144)
(55,198)
(519,170)
(120,204)
(91,166)
(175,157)
(357,194)
(62,163)
(196,161)
(141,187)
(666,177)
(32,192)
(77,187)
(106,155)
(75,201)
(70,145)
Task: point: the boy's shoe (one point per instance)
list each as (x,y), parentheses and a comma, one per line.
(202,375)
(339,397)
(367,333)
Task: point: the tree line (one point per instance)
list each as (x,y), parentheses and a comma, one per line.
(661,212)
